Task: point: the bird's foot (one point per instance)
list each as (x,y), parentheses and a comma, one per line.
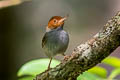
(66,57)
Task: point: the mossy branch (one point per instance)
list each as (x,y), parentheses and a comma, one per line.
(87,55)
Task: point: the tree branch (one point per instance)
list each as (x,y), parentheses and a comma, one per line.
(7,3)
(87,55)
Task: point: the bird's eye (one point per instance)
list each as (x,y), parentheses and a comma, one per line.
(55,20)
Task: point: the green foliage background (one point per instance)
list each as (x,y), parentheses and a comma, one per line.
(34,67)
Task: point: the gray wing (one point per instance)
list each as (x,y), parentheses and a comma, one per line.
(44,40)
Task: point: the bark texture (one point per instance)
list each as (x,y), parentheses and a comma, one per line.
(87,55)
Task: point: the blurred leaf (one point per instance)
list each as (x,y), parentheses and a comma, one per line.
(27,78)
(112,61)
(100,71)
(35,67)
(114,73)
(88,76)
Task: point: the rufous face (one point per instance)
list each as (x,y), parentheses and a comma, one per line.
(55,22)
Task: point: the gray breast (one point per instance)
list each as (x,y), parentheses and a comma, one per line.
(56,42)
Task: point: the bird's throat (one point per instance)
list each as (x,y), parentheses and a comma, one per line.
(48,29)
(58,28)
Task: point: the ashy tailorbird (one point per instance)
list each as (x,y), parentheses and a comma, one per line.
(55,40)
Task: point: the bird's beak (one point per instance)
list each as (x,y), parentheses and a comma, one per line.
(64,18)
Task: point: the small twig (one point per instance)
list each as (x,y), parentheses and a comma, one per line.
(7,3)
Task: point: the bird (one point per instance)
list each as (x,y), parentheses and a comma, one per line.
(56,39)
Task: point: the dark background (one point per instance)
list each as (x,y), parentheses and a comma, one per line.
(23,26)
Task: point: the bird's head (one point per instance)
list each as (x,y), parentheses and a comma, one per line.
(55,22)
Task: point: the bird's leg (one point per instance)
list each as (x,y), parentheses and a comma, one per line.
(47,74)
(49,63)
